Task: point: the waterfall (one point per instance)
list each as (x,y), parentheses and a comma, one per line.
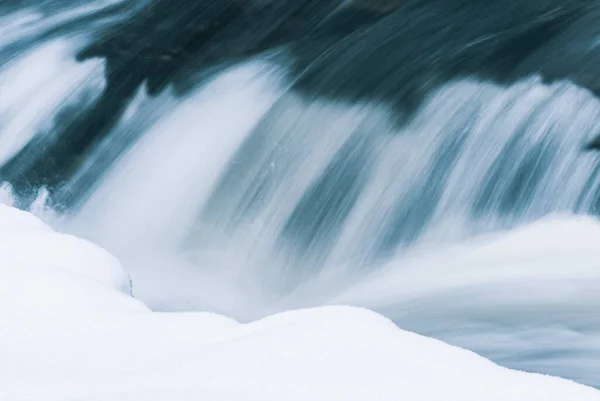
(245,197)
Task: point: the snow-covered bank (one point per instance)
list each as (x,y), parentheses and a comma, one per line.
(70,331)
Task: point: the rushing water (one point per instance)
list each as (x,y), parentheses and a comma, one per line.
(244,197)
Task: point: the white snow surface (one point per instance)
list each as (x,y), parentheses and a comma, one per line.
(70,330)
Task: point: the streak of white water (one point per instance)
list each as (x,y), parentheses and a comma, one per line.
(37,84)
(160,185)
(24,23)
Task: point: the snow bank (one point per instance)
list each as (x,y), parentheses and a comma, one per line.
(70,331)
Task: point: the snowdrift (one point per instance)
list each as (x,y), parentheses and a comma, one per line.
(70,330)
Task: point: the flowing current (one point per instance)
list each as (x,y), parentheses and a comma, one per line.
(245,198)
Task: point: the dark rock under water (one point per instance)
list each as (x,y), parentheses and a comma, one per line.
(394,52)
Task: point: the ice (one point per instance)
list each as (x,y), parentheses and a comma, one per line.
(71,331)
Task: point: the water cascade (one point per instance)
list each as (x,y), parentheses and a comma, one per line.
(245,196)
